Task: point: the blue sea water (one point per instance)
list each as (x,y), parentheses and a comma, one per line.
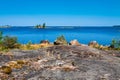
(103,35)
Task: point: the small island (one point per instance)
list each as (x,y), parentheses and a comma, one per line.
(5,26)
(41,26)
(116,26)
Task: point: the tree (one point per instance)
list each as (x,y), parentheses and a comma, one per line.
(39,26)
(44,25)
(1,37)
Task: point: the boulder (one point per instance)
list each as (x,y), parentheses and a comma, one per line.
(44,42)
(75,63)
(58,42)
(74,42)
(93,44)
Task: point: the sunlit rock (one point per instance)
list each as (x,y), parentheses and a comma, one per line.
(74,42)
(93,44)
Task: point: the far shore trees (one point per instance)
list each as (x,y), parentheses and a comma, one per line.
(41,26)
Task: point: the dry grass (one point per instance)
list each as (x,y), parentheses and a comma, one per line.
(34,46)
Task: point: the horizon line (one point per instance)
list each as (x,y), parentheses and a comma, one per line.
(61,26)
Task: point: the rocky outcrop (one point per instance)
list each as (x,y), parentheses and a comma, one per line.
(74,42)
(93,44)
(62,63)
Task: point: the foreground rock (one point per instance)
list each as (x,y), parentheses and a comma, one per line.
(62,63)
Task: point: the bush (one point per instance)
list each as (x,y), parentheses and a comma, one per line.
(60,40)
(1,37)
(115,44)
(28,45)
(10,42)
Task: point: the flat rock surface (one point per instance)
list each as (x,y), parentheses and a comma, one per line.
(63,63)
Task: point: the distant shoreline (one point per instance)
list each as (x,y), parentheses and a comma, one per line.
(6,26)
(60,26)
(64,26)
(116,26)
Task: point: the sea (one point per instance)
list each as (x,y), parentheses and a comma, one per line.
(103,35)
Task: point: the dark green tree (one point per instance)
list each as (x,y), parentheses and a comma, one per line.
(1,37)
(39,26)
(44,25)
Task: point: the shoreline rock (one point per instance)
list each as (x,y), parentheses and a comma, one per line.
(74,42)
(93,44)
(62,63)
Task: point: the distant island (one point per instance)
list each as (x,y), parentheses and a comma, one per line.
(116,26)
(41,26)
(5,26)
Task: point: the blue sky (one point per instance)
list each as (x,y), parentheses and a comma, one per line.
(60,12)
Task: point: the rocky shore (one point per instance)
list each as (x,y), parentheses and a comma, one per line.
(60,63)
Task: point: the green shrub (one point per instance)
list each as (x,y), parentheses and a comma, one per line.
(9,42)
(115,44)
(60,40)
(28,45)
(1,37)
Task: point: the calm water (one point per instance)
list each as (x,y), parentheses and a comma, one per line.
(102,35)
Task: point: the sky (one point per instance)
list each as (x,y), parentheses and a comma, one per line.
(60,12)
